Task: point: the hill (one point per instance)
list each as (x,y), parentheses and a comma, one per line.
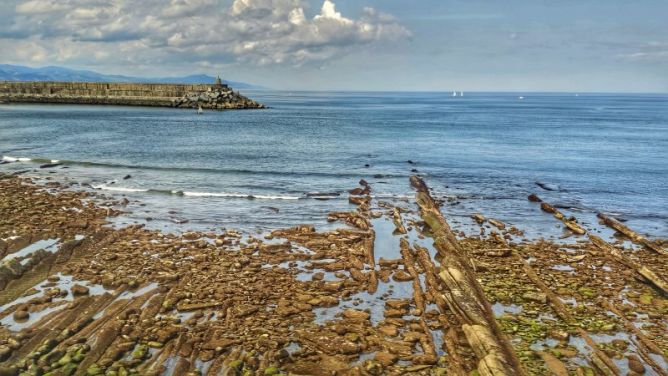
(53,73)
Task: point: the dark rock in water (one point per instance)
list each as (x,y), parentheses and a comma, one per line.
(414,170)
(4,162)
(533,198)
(363,182)
(636,365)
(275,210)
(21,315)
(544,186)
(78,290)
(548,187)
(367,165)
(410,161)
(378,176)
(126,177)
(49,165)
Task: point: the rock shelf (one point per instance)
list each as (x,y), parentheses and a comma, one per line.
(393,290)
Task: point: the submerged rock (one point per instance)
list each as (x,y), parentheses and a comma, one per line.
(78,290)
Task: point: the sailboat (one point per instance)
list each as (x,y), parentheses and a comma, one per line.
(454,93)
(199,110)
(461,93)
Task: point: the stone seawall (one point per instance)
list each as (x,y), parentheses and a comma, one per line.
(126,94)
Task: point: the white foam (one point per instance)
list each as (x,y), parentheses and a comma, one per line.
(237,195)
(15,159)
(118,189)
(263,197)
(211,194)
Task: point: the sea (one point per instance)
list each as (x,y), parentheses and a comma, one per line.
(257,170)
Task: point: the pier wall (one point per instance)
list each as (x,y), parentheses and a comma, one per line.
(129,94)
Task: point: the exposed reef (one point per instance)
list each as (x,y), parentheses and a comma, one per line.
(393,291)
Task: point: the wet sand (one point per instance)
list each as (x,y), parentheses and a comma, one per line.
(394,290)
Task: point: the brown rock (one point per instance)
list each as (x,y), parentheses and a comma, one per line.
(636,365)
(533,198)
(355,315)
(388,330)
(560,335)
(78,290)
(332,286)
(385,358)
(498,224)
(479,218)
(21,315)
(397,303)
(324,301)
(535,296)
(395,312)
(401,276)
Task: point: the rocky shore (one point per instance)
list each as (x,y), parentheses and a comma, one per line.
(393,290)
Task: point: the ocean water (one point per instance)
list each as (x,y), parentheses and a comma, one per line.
(292,163)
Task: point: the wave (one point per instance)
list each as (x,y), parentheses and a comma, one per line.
(7,158)
(118,189)
(106,187)
(248,196)
(240,171)
(236,195)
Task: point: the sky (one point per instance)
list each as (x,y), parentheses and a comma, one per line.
(390,45)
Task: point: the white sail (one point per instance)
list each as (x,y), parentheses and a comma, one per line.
(461,93)
(454,93)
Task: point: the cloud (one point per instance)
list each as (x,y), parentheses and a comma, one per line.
(653,51)
(259,32)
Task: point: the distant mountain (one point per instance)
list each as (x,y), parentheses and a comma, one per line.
(51,73)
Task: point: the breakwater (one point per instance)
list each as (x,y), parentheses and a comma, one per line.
(208,96)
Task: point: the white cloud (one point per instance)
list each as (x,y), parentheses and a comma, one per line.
(260,32)
(328,11)
(40,6)
(653,51)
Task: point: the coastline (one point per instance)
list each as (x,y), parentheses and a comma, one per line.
(367,298)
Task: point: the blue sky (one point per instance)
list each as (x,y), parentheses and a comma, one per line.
(565,45)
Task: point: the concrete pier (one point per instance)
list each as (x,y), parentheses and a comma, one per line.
(214,96)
